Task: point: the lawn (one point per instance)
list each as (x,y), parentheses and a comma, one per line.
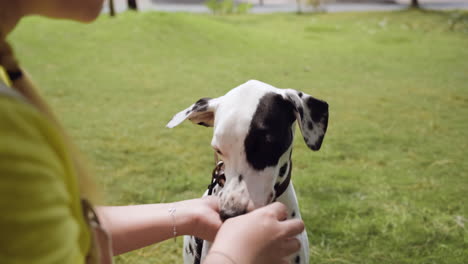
(390,184)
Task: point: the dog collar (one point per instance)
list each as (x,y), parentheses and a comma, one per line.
(218,178)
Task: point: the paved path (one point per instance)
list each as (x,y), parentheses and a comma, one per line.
(272,6)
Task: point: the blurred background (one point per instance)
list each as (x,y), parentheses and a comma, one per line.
(266,6)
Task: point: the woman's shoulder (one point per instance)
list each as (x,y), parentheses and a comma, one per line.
(18,118)
(30,148)
(37,188)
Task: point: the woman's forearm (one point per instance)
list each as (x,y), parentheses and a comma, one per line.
(136,226)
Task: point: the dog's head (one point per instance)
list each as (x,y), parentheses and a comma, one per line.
(253,134)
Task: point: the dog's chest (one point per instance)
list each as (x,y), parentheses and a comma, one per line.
(196,249)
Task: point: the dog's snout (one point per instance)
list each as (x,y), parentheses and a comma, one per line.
(234,198)
(226,214)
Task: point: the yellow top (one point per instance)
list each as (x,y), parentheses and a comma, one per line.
(40,212)
(4,76)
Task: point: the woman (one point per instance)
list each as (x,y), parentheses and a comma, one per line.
(43,194)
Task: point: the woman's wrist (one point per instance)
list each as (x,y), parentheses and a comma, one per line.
(184,217)
(187,216)
(241,252)
(198,217)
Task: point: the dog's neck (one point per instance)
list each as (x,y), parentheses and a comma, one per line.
(281,187)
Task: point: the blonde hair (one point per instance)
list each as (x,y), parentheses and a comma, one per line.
(21,82)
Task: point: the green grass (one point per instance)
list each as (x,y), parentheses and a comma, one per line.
(390,184)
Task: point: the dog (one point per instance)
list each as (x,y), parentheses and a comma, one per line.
(254,127)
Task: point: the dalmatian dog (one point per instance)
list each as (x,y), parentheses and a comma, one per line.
(254,126)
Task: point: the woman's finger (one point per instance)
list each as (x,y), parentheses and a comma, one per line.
(250,206)
(292,227)
(291,245)
(280,210)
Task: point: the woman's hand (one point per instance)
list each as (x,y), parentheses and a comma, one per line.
(202,217)
(261,236)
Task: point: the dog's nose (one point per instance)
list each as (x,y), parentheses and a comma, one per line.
(226,214)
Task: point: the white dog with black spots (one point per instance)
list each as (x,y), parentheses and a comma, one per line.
(254,126)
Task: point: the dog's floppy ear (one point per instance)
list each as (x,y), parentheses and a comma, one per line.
(312,116)
(201,113)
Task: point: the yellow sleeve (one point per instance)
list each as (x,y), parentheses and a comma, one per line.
(38,221)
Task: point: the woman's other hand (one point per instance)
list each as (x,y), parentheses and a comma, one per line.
(261,236)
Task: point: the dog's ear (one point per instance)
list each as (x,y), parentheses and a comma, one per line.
(201,113)
(312,116)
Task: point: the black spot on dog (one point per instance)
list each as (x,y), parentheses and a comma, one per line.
(298,106)
(300,94)
(276,185)
(297,259)
(201,105)
(241,178)
(317,108)
(270,132)
(310,125)
(316,145)
(300,109)
(190,248)
(282,171)
(203,124)
(293,214)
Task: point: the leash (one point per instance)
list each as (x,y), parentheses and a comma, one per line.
(217,178)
